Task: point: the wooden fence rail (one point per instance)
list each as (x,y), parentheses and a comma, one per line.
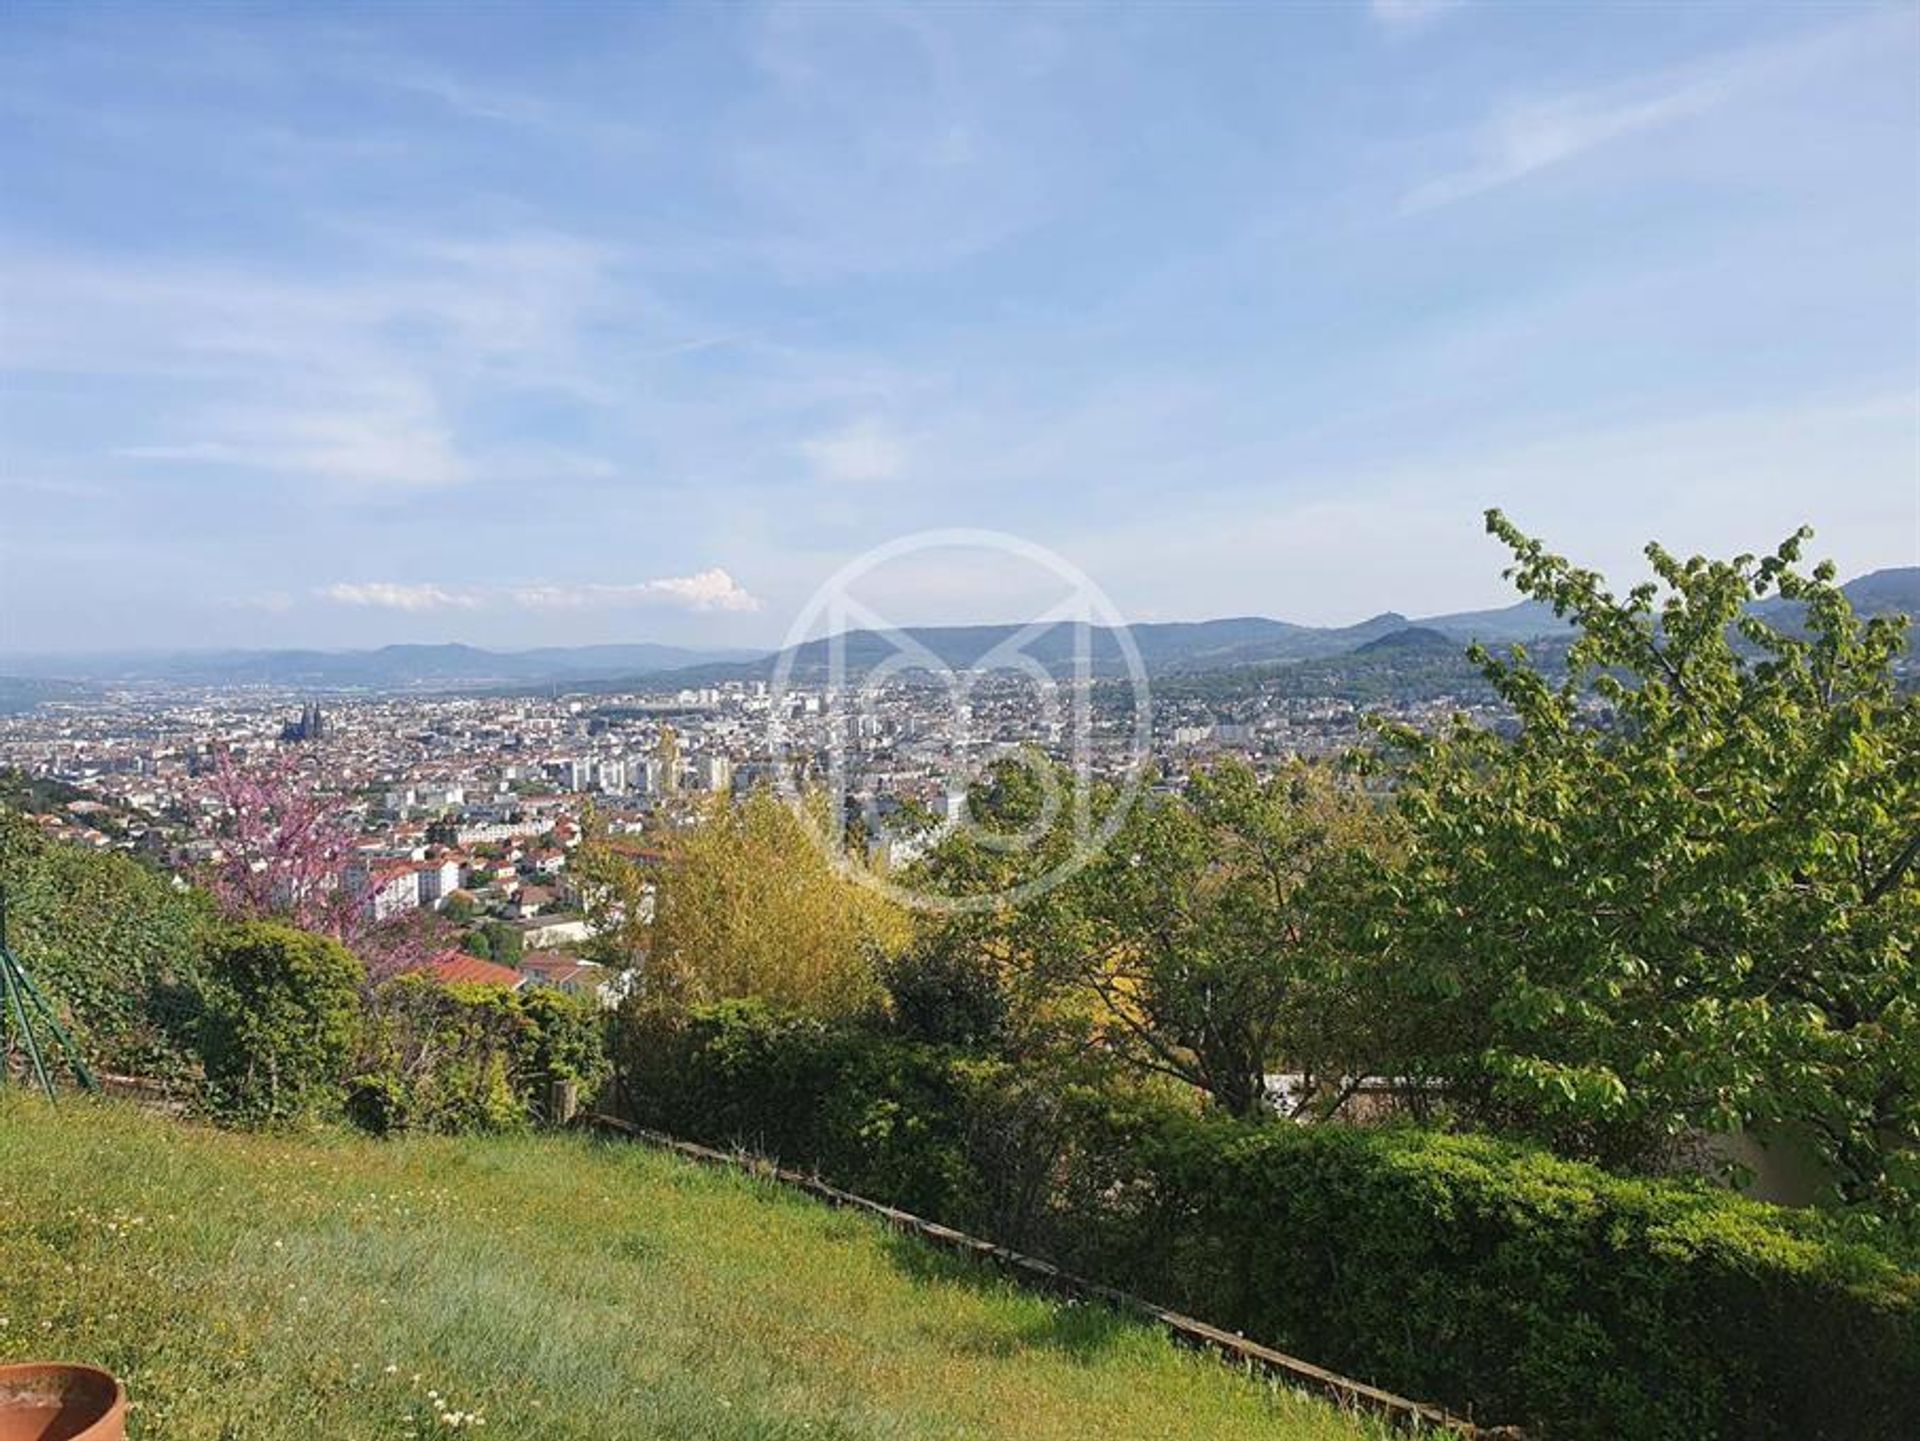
(1031,1270)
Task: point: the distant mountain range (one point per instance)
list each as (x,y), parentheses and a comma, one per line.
(1164,648)
(391,667)
(1196,647)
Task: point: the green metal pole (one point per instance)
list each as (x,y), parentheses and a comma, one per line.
(40,1003)
(20,991)
(10,982)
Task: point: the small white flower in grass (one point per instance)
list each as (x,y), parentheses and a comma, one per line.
(391,1368)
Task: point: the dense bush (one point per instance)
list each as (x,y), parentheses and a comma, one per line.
(795,1086)
(944,990)
(116,948)
(272,1022)
(469,1057)
(282,1019)
(1505,1280)
(1491,1277)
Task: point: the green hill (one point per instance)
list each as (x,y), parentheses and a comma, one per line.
(1414,639)
(327,1286)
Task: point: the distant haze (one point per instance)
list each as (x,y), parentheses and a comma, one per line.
(1158,648)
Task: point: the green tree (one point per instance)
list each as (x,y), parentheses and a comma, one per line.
(1204,941)
(946,990)
(616,890)
(1682,898)
(750,905)
(1209,929)
(282,1020)
(462,1057)
(505,943)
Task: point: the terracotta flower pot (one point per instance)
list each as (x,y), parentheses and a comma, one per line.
(48,1401)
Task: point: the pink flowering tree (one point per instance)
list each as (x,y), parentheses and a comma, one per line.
(291,853)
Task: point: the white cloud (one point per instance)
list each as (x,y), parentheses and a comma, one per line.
(1410,14)
(706,590)
(389,595)
(863,452)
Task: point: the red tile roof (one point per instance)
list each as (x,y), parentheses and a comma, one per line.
(457,966)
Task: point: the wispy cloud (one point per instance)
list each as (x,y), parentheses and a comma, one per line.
(1404,15)
(1527,136)
(380,434)
(272,602)
(708,590)
(353,380)
(862,452)
(1522,137)
(888,139)
(492,101)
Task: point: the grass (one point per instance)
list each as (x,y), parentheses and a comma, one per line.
(324,1285)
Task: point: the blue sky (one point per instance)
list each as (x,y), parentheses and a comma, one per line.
(339,325)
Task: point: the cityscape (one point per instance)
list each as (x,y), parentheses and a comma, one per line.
(982,721)
(475,782)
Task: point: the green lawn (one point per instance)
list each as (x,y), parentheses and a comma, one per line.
(250,1288)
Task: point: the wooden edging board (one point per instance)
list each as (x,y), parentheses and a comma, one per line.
(1417,1415)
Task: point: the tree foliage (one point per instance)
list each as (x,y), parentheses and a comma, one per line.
(1203,941)
(1207,929)
(750,905)
(461,1058)
(283,1017)
(291,853)
(1682,898)
(616,889)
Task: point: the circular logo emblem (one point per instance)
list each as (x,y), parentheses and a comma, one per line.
(878,732)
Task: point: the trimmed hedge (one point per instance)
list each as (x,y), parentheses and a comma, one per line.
(1512,1284)
(1498,1280)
